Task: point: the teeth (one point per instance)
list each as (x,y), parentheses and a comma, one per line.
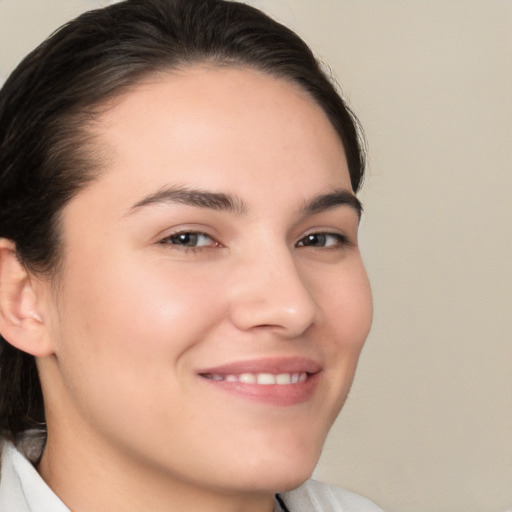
(247,378)
(264,379)
(283,378)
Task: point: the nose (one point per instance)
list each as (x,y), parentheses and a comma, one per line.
(271,293)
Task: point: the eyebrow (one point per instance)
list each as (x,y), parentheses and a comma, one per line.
(193,197)
(227,202)
(331,200)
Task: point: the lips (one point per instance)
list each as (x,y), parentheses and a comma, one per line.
(263,379)
(271,381)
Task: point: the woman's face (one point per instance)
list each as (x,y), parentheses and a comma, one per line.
(213,303)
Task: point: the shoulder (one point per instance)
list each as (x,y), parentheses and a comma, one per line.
(320,497)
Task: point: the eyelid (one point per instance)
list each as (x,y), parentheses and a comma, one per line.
(343,239)
(167,229)
(188,231)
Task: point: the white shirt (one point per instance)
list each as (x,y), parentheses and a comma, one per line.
(23,490)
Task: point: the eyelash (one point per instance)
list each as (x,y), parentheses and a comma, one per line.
(340,240)
(306,241)
(172,239)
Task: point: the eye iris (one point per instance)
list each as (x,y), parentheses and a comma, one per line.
(315,239)
(186,239)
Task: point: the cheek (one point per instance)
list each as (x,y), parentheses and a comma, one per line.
(137,314)
(348,315)
(346,302)
(357,307)
(127,338)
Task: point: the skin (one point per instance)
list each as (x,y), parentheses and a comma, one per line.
(136,316)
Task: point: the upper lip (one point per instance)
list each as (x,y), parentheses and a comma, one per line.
(275,365)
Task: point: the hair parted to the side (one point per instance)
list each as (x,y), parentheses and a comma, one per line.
(51,100)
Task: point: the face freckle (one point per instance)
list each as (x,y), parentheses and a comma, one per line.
(222,360)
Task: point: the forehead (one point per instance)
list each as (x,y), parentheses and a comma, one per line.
(224,128)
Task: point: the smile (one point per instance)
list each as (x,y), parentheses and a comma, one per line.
(264,379)
(280,382)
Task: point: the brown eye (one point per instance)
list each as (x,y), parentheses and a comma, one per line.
(189,239)
(322,240)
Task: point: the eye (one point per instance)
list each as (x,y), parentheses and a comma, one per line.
(189,239)
(329,240)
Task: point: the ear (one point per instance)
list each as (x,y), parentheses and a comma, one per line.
(21,323)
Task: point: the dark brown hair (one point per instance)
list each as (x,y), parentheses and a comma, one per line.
(53,96)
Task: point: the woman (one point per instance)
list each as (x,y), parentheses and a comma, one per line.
(182,298)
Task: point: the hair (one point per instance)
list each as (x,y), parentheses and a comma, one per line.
(47,153)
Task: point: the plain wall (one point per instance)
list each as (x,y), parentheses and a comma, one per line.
(428,425)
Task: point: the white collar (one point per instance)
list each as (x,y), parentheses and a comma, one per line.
(21,487)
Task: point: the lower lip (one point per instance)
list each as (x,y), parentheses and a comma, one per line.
(279,395)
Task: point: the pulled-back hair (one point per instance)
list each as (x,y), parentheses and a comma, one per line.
(47,154)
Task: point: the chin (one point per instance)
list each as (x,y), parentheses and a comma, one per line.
(281,458)
(280,481)
(292,481)
(277,473)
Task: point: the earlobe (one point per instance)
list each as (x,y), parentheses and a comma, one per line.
(21,322)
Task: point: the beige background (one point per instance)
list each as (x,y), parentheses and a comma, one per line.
(428,426)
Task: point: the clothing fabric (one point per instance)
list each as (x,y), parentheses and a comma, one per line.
(23,490)
(314,496)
